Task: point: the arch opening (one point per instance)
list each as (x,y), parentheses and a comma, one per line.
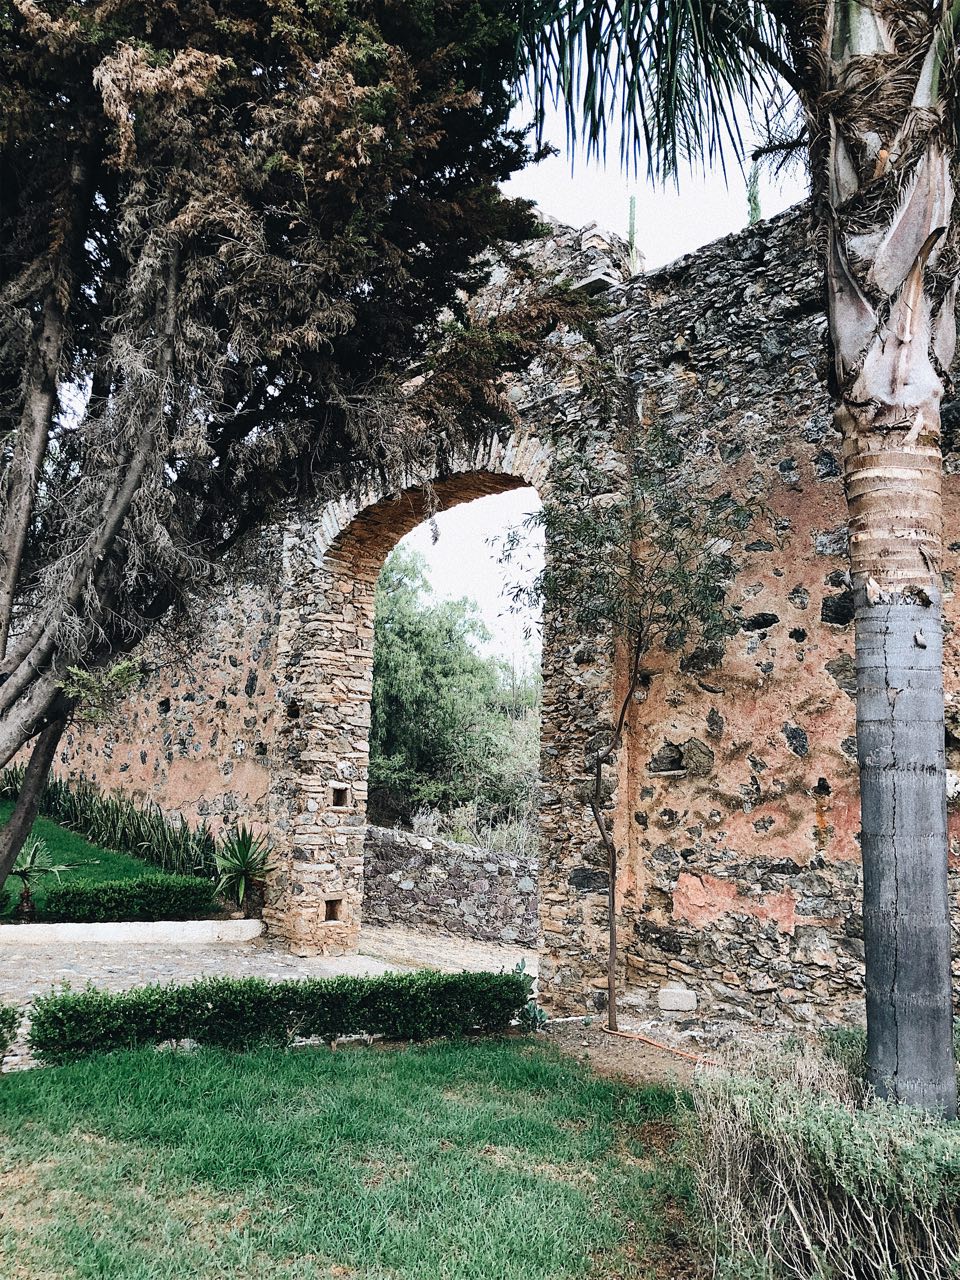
(322,790)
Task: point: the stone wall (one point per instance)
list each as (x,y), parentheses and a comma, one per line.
(742,879)
(734,799)
(425,882)
(306,712)
(196,738)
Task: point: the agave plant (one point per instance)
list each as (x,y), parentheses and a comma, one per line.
(118,823)
(35,861)
(243,861)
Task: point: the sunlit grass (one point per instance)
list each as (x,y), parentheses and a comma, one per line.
(67,848)
(488,1161)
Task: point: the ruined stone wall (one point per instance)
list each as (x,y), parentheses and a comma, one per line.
(306,714)
(734,802)
(742,878)
(425,882)
(197,736)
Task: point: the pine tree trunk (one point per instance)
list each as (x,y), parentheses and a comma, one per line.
(16,829)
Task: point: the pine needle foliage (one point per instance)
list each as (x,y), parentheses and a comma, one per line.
(226,232)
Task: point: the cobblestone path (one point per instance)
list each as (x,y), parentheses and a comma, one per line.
(416,949)
(29,970)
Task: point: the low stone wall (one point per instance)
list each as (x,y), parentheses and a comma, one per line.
(473,893)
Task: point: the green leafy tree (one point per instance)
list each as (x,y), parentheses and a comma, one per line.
(449,727)
(226,230)
(876,84)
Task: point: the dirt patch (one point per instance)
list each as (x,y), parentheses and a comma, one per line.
(520,1162)
(28,1209)
(619,1059)
(657,1137)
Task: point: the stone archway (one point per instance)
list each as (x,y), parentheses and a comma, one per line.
(318,793)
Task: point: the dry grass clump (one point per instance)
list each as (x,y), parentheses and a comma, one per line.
(802,1175)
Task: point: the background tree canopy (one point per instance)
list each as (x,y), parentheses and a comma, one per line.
(450,728)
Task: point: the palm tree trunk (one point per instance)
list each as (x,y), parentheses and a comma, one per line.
(891,355)
(887,197)
(894,514)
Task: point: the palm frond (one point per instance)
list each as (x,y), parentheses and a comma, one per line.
(781,138)
(674,72)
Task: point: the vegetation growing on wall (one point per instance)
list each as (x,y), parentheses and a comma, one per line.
(648,551)
(874,86)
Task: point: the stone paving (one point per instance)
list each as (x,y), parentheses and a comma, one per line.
(31,970)
(418,949)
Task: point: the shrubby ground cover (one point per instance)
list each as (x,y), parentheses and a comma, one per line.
(145,897)
(802,1174)
(446,1159)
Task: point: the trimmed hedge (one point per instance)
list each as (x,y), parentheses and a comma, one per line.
(146,898)
(9,1022)
(240,1013)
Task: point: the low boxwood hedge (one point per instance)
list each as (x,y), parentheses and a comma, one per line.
(9,1022)
(239,1013)
(145,898)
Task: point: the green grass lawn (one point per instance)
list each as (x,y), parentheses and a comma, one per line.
(67,847)
(486,1161)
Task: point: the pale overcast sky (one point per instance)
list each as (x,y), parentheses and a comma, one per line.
(670,222)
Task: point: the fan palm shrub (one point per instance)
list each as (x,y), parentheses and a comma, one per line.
(34,862)
(875,85)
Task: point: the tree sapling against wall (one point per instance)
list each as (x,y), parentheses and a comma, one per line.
(877,85)
(647,553)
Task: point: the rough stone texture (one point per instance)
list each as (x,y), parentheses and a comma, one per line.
(318,789)
(676,999)
(197,736)
(734,800)
(742,880)
(425,882)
